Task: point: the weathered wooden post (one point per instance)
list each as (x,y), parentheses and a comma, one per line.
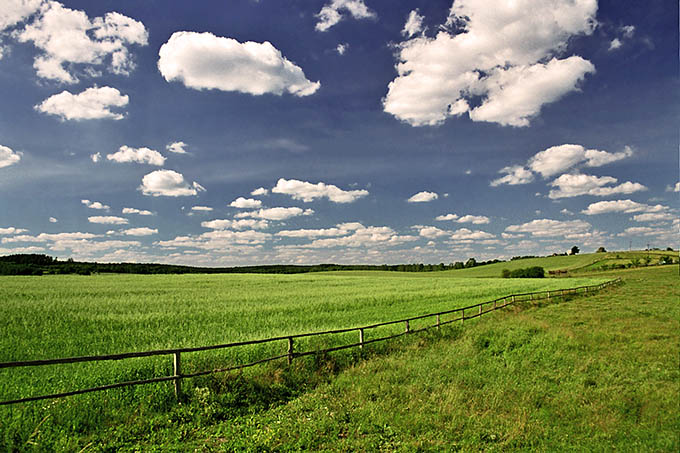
(438,323)
(480,309)
(408,328)
(361,338)
(290,350)
(462,318)
(177,368)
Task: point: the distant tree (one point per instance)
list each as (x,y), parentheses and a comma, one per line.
(471,262)
(601,250)
(669,249)
(505,273)
(574,250)
(458,265)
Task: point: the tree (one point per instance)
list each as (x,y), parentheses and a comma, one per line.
(601,250)
(471,262)
(574,250)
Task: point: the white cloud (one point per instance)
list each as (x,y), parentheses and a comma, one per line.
(574,185)
(474,219)
(642,231)
(139,155)
(67,38)
(615,44)
(430,232)
(504,54)
(515,175)
(413,25)
(466,234)
(205,61)
(242,224)
(276,213)
(654,217)
(14,12)
(168,183)
(625,206)
(566,211)
(245,203)
(93,103)
(201,208)
(675,188)
(259,192)
(306,191)
(53,220)
(218,240)
(96,157)
(363,237)
(628,31)
(331,13)
(95,205)
(108,220)
(177,147)
(137,211)
(342,48)
(8,156)
(340,230)
(558,159)
(142,231)
(423,197)
(550,228)
(12,230)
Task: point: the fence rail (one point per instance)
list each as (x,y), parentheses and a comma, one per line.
(177,376)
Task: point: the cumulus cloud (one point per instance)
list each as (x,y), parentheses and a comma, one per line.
(14,12)
(177,147)
(466,234)
(342,48)
(53,220)
(623,206)
(168,183)
(276,213)
(139,155)
(96,157)
(245,203)
(201,208)
(142,231)
(675,188)
(514,175)
(8,156)
(430,232)
(12,230)
(217,240)
(474,219)
(332,13)
(550,228)
(615,44)
(655,217)
(413,25)
(241,224)
(205,61)
(307,191)
(95,205)
(260,191)
(574,185)
(339,230)
(423,197)
(503,53)
(108,220)
(361,236)
(91,104)
(68,40)
(137,211)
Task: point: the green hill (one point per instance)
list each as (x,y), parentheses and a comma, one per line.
(571,263)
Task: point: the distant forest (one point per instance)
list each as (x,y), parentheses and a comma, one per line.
(38,264)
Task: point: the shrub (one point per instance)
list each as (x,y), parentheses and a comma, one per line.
(529,272)
(505,273)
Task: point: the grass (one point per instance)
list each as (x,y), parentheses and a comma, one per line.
(281,408)
(572,263)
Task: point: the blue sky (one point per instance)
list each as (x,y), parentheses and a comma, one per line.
(347,131)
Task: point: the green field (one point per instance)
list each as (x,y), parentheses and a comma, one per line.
(571,263)
(61,316)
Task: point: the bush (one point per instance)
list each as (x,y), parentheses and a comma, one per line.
(505,273)
(529,272)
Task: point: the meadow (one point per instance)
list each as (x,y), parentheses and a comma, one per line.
(61,316)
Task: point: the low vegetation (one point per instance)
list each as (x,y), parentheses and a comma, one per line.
(528,272)
(581,374)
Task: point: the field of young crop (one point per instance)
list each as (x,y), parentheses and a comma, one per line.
(62,316)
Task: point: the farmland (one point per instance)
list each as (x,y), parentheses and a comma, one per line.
(60,316)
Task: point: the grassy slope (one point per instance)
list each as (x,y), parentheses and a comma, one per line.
(593,374)
(586,261)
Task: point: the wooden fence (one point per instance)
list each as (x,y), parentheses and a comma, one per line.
(459,314)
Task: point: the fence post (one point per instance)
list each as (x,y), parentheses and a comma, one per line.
(494,304)
(480,309)
(361,338)
(462,318)
(408,328)
(513,299)
(290,350)
(438,321)
(177,368)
